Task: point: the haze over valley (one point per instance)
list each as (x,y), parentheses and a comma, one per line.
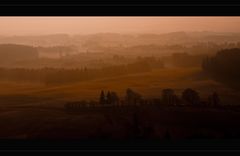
(119,77)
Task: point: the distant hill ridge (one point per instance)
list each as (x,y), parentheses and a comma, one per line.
(13,52)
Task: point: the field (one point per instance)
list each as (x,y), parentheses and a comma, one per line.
(36,111)
(149,85)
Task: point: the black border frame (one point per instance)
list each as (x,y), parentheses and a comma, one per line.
(119,10)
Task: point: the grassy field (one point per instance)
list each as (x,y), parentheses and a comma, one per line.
(36,111)
(148,84)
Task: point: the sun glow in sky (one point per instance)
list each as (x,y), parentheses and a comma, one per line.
(110,24)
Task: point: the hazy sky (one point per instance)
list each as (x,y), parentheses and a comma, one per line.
(85,25)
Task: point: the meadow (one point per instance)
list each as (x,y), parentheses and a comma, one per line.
(31,110)
(148,84)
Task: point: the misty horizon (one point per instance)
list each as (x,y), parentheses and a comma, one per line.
(22,26)
(160,78)
(116,33)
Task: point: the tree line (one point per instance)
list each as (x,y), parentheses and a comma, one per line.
(189,97)
(225,64)
(62,75)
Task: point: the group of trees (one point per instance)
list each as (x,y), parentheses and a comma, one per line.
(62,75)
(225,64)
(80,104)
(188,97)
(185,59)
(169,97)
(191,96)
(132,97)
(111,98)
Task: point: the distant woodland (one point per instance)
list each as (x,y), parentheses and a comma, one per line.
(225,64)
(58,59)
(61,76)
(13,52)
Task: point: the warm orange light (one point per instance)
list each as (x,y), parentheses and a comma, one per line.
(85,25)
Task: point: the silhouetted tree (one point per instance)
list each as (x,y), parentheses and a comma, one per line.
(214,99)
(132,97)
(109,98)
(169,97)
(191,96)
(102,99)
(114,98)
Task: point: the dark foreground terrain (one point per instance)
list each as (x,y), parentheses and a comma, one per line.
(120,123)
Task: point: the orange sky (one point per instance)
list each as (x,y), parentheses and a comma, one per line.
(85,25)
